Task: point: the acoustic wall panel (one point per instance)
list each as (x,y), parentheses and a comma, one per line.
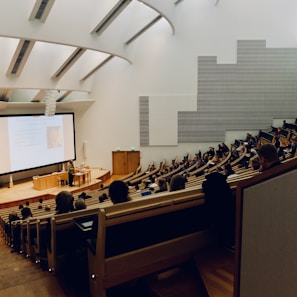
(144,120)
(242,96)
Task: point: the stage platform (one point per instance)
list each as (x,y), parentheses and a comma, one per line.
(23,191)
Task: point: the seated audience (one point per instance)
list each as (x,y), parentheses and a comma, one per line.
(177,182)
(162,184)
(240,149)
(26,213)
(64,202)
(80,203)
(103,197)
(137,188)
(268,156)
(251,140)
(222,150)
(220,206)
(211,152)
(40,203)
(228,171)
(279,147)
(250,152)
(293,148)
(118,192)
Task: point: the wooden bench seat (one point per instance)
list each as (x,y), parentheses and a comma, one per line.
(147,175)
(140,237)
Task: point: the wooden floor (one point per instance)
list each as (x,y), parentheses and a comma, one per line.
(20,277)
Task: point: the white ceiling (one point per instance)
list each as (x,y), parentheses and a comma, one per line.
(67,28)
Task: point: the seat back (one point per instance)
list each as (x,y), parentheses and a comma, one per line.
(137,238)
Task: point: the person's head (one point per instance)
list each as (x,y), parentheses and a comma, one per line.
(162,184)
(118,192)
(177,182)
(215,184)
(228,169)
(267,155)
(26,213)
(64,202)
(80,203)
(13,217)
(40,203)
(103,197)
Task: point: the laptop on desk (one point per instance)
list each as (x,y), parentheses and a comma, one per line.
(85,224)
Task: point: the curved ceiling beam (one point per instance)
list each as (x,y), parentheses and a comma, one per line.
(85,46)
(58,28)
(165,8)
(65,30)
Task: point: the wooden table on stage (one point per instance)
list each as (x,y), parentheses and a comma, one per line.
(48,181)
(82,177)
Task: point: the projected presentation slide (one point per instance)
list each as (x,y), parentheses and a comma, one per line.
(35,141)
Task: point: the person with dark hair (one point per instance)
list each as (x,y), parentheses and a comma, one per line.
(40,203)
(220,207)
(177,182)
(250,153)
(268,156)
(26,213)
(162,184)
(228,170)
(80,203)
(137,188)
(103,197)
(118,192)
(64,202)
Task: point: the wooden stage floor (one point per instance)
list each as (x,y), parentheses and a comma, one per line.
(23,191)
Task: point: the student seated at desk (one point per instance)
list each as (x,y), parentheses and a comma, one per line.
(64,202)
(268,157)
(26,213)
(80,203)
(119,192)
(178,182)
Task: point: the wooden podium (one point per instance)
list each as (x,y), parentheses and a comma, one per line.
(48,181)
(125,162)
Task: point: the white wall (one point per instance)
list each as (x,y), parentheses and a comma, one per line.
(165,64)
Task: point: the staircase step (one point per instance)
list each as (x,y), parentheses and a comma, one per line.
(216,267)
(179,281)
